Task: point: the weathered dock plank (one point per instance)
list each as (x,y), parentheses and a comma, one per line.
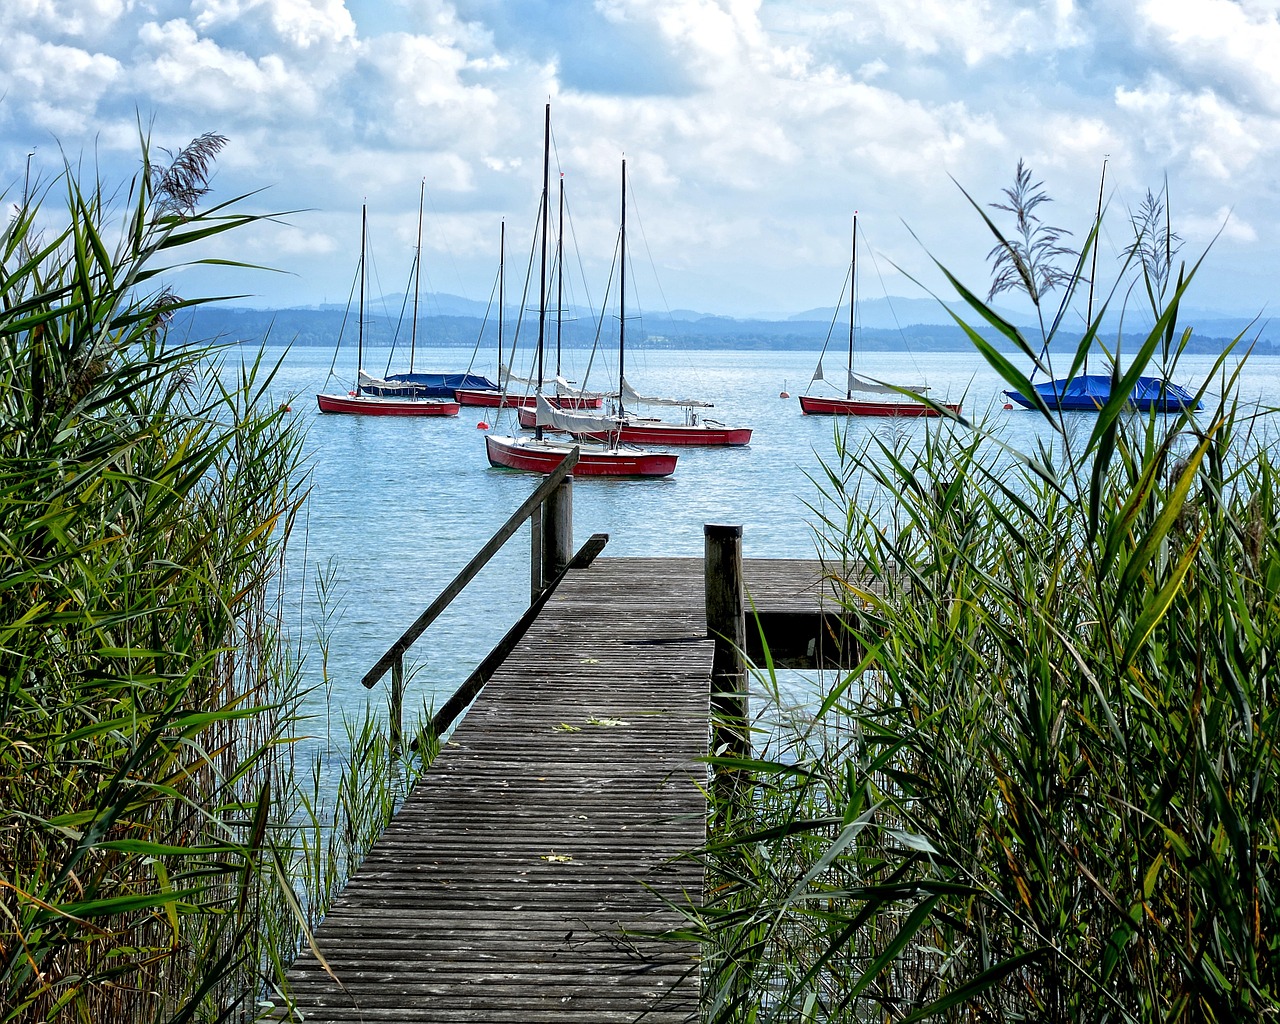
(523,877)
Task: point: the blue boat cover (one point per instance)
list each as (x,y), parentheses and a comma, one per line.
(1089,393)
(430,385)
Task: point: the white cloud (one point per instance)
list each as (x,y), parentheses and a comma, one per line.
(424,97)
(195,73)
(73,18)
(1198,129)
(1227,44)
(1224,224)
(752,127)
(977,31)
(291,241)
(64,83)
(301,24)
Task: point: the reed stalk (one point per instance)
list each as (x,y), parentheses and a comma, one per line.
(1050,790)
(150,698)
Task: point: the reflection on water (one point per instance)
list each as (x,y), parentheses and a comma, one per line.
(784,709)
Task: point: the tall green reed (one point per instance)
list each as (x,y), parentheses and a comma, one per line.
(1054,793)
(145,499)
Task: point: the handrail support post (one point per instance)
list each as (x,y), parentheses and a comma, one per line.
(550,538)
(397,704)
(536,538)
(557,530)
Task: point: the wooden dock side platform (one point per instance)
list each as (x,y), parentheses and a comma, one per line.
(518,880)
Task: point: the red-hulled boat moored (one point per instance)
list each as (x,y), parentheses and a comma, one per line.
(535,455)
(509,400)
(816,405)
(708,433)
(890,400)
(375,405)
(542,455)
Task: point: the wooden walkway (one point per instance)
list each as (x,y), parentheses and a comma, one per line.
(519,880)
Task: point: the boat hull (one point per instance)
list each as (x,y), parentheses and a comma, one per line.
(676,434)
(812,405)
(533,456)
(1089,393)
(373,405)
(528,418)
(499,400)
(577,401)
(492,399)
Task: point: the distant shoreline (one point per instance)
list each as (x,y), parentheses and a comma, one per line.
(311,327)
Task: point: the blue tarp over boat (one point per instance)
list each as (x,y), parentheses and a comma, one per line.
(1090,392)
(427,385)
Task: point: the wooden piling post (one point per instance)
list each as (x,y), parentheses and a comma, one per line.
(396,711)
(557,530)
(727,626)
(535,553)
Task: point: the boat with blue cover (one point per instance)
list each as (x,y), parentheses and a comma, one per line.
(1091,391)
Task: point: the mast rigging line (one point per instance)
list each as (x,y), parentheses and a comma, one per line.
(395,338)
(653,270)
(484,322)
(871,252)
(582,274)
(342,327)
(831,327)
(524,300)
(361,279)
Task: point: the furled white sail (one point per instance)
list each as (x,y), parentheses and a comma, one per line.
(547,415)
(367,381)
(857,383)
(505,376)
(565,389)
(630,396)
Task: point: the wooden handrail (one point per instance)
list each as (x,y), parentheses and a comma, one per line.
(395,653)
(471,686)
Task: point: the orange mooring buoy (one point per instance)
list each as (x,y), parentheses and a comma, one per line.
(1008,405)
(482,425)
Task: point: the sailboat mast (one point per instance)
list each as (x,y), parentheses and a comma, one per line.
(853,269)
(360,317)
(622,295)
(417,275)
(502,280)
(560,274)
(542,288)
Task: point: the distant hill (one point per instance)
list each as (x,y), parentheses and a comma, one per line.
(451,321)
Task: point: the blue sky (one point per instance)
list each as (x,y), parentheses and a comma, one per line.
(752,130)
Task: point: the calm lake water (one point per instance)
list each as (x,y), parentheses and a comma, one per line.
(398,506)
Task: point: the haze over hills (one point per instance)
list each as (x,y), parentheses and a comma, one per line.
(879,321)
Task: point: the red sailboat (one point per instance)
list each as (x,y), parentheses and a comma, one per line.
(373,396)
(625,427)
(360,404)
(629,428)
(875,398)
(541,455)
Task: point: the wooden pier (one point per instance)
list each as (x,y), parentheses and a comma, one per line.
(526,875)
